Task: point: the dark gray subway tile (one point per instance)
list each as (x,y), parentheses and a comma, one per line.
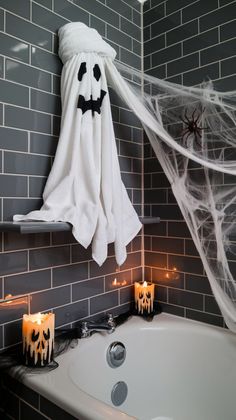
(168,278)
(228,66)
(137,18)
(98,24)
(185,298)
(13,262)
(1,20)
(165,24)
(196,283)
(155,259)
(160,293)
(14,48)
(167,54)
(103,302)
(45,102)
(56,123)
(70,274)
(13,312)
(199,8)
(154,44)
(126,294)
(102,12)
(154,14)
(183,64)
(21,163)
(28,412)
(71,313)
(122,131)
(185,264)
(131,180)
(190,248)
(45,60)
(173,6)
(27,75)
(19,206)
(168,245)
(88,288)
(49,257)
(12,333)
(1,66)
(43,144)
(131,59)
(67,10)
(120,7)
(53,411)
(195,77)
(182,32)
(157,229)
(179,229)
(28,32)
(79,253)
(218,52)
(60,238)
(109,266)
(129,118)
(131,29)
(136,47)
(11,185)
(50,298)
(125,164)
(13,93)
(117,280)
(27,282)
(119,37)
(46,3)
(21,8)
(133,260)
(10,404)
(204,317)
(56,88)
(36,186)
(160,180)
(172,309)
(218,17)
(225,84)
(199,42)
(129,149)
(27,119)
(11,139)
(227,31)
(15,240)
(155,196)
(46,18)
(22,391)
(211,305)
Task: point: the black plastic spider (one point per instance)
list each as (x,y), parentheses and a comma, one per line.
(192,126)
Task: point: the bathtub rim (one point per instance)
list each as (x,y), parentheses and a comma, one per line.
(80,403)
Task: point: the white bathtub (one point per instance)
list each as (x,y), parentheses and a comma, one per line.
(175,369)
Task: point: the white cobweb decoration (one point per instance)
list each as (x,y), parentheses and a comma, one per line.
(194,128)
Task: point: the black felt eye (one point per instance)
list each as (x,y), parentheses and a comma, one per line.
(46,334)
(82,71)
(97,72)
(34,336)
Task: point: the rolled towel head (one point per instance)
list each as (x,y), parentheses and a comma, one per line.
(76,37)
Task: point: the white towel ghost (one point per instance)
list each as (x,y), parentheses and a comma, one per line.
(84,186)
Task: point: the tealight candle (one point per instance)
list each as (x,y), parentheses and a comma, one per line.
(144,297)
(38,338)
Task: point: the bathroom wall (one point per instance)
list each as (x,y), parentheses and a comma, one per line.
(57,272)
(185,42)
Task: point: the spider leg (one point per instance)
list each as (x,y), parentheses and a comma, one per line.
(185,122)
(193,114)
(185,115)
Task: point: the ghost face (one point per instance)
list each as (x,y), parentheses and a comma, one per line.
(93,103)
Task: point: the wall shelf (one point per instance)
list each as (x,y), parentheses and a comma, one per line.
(37,227)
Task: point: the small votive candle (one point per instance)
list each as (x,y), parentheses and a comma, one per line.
(38,338)
(144,297)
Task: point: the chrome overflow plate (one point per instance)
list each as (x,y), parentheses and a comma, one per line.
(116,354)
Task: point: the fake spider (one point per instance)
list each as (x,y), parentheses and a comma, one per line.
(192,126)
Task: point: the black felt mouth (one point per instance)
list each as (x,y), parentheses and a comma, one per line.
(94,105)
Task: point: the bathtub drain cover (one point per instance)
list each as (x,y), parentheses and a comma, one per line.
(119,393)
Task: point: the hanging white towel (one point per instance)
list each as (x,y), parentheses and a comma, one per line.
(84,186)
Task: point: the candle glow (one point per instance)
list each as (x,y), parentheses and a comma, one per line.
(38,338)
(144,297)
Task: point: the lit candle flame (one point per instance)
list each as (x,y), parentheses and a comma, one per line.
(144,284)
(114,283)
